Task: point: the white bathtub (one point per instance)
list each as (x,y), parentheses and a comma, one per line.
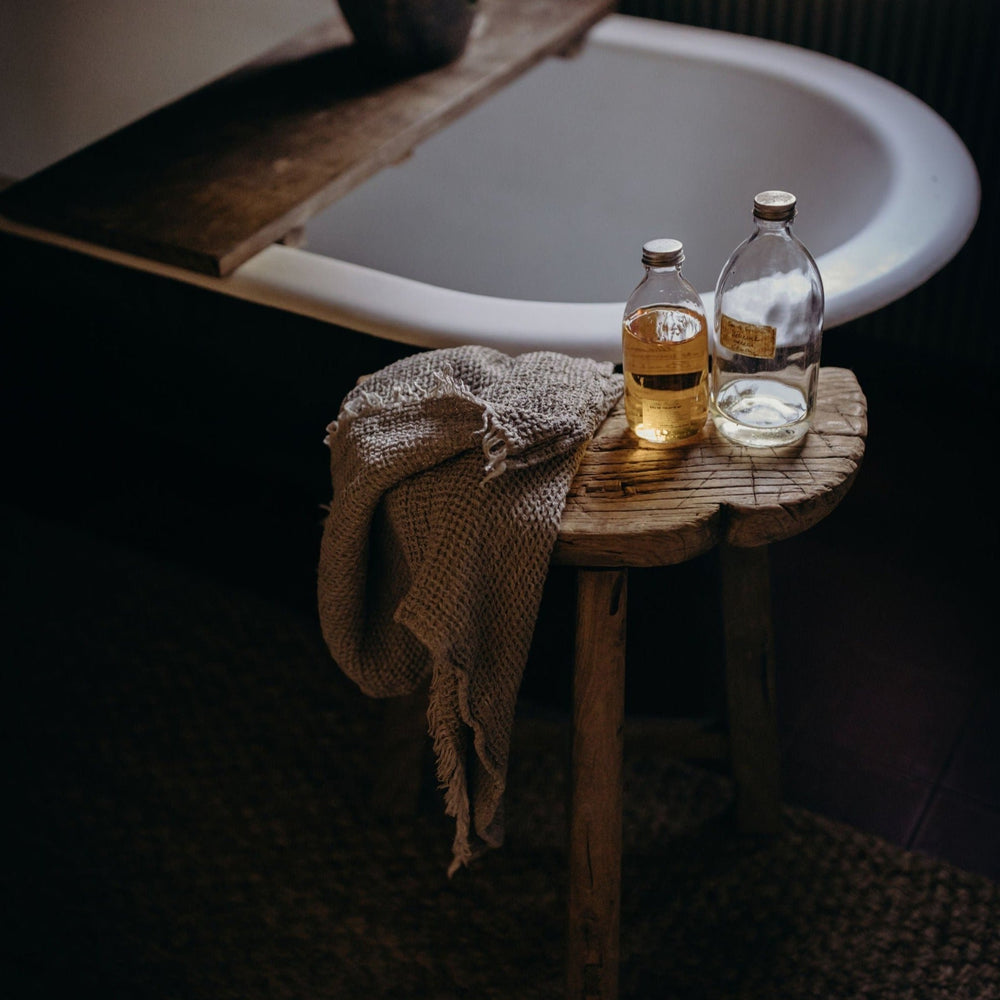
(521,225)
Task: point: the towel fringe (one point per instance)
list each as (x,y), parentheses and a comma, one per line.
(363,401)
(494,447)
(452,781)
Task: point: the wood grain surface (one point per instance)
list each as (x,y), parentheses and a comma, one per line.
(212,179)
(596,790)
(638,504)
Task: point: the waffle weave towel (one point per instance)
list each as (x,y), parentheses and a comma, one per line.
(450,471)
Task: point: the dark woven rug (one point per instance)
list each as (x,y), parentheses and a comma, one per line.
(188,816)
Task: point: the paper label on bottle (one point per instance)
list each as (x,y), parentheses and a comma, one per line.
(675,407)
(752,339)
(668,357)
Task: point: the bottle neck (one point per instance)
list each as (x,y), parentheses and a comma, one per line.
(664,286)
(667,278)
(774,228)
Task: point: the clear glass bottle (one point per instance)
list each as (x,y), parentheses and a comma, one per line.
(767,332)
(665,349)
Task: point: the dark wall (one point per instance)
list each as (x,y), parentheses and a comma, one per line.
(140,405)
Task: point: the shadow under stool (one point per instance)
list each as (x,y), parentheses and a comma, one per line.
(638,505)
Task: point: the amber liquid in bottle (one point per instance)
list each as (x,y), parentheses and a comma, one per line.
(665,362)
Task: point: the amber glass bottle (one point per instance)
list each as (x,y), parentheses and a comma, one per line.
(665,349)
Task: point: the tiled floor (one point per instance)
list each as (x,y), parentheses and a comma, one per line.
(889,693)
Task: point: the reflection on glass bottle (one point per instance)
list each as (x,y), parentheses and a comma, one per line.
(665,349)
(768,331)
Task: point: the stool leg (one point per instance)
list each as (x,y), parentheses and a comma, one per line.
(750,688)
(595,828)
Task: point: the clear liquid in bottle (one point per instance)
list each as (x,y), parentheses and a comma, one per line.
(767,333)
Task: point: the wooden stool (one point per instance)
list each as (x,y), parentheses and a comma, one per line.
(633,504)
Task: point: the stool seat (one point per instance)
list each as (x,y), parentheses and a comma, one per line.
(634,504)
(638,504)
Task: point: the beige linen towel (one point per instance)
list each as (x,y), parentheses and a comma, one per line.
(450,471)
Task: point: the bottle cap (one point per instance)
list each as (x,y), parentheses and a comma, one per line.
(663,253)
(774,206)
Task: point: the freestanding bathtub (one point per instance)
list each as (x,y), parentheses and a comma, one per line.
(521,224)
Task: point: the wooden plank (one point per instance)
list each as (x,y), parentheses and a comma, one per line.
(637,504)
(595,835)
(210,180)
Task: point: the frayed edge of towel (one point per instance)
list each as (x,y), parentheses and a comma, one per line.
(436,383)
(363,402)
(452,779)
(494,446)
(452,769)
